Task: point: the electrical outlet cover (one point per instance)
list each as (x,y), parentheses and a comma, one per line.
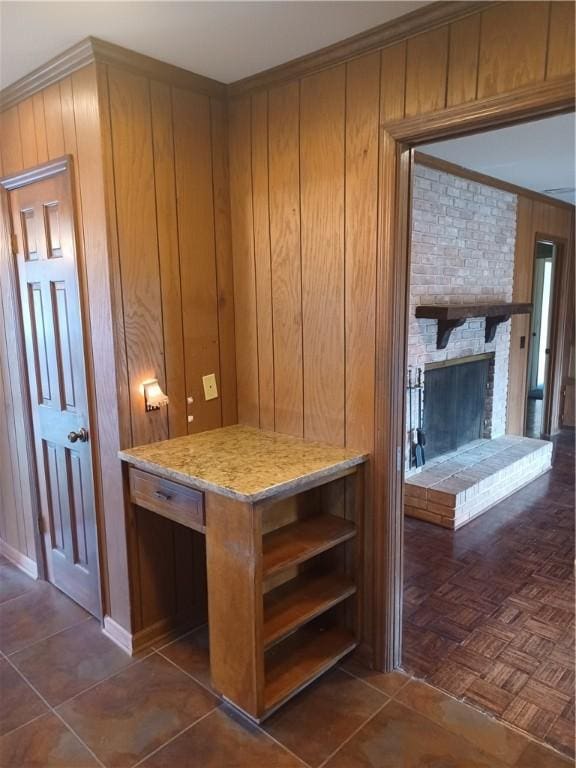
(210,388)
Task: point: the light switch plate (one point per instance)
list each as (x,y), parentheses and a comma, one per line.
(210,388)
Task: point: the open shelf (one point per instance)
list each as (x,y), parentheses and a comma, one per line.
(299,541)
(298,601)
(300,659)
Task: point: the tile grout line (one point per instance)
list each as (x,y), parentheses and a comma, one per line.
(282,746)
(177,735)
(57,714)
(15,597)
(356,731)
(48,637)
(375,687)
(222,702)
(188,674)
(103,680)
(23,725)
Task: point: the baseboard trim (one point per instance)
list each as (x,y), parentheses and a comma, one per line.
(161,632)
(21,561)
(121,637)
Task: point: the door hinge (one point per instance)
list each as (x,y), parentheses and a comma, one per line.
(14,243)
(41,526)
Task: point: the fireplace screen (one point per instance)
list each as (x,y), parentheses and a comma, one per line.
(454,403)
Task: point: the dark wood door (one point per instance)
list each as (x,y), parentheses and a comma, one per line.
(43,222)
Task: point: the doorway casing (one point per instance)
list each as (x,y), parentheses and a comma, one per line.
(396,149)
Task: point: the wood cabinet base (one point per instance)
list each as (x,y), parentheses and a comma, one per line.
(283,580)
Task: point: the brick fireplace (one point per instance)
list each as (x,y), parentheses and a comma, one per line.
(462,251)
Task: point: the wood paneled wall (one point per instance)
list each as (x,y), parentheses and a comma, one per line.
(537,219)
(169,164)
(169,215)
(312,179)
(64,118)
(305,195)
(152,193)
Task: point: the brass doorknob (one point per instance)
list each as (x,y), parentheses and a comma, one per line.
(81,435)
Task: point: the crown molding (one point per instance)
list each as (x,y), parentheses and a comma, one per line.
(93,50)
(421,20)
(59,67)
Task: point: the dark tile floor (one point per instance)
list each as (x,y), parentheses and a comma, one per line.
(489,609)
(69,698)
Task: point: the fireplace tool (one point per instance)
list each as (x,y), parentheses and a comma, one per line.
(416,450)
(420,433)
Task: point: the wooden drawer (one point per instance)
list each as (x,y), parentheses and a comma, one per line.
(167,498)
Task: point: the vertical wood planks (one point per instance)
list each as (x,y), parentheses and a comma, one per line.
(224,270)
(362,114)
(512,46)
(40,127)
(81,114)
(193,159)
(561,54)
(53,118)
(168,255)
(137,239)
(28,133)
(393,81)
(262,258)
(11,144)
(284,183)
(426,70)
(322,191)
(463,60)
(244,272)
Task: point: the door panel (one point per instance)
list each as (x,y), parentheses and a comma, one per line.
(42,216)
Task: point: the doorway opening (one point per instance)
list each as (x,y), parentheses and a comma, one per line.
(540,335)
(488,521)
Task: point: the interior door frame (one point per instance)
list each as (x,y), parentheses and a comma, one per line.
(559,310)
(65,165)
(397,140)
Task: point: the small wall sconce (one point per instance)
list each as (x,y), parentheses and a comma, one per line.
(154,398)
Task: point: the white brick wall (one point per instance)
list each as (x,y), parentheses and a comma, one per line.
(463,239)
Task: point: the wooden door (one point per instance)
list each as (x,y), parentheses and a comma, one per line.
(44,244)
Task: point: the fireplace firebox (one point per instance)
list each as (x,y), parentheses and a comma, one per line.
(457,398)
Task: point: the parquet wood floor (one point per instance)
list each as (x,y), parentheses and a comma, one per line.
(489,609)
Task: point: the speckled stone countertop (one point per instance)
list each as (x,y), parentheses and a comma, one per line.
(240,462)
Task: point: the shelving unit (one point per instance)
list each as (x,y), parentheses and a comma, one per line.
(289,602)
(297,542)
(283,520)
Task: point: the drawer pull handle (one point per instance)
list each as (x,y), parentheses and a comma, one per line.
(163,496)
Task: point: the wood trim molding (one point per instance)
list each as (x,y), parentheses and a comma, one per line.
(91,50)
(37,173)
(118,634)
(18,559)
(108,53)
(423,19)
(439,164)
(528,103)
(55,69)
(393,265)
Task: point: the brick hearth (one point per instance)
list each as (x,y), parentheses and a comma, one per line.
(456,488)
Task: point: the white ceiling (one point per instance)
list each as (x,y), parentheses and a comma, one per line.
(223,40)
(538,155)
